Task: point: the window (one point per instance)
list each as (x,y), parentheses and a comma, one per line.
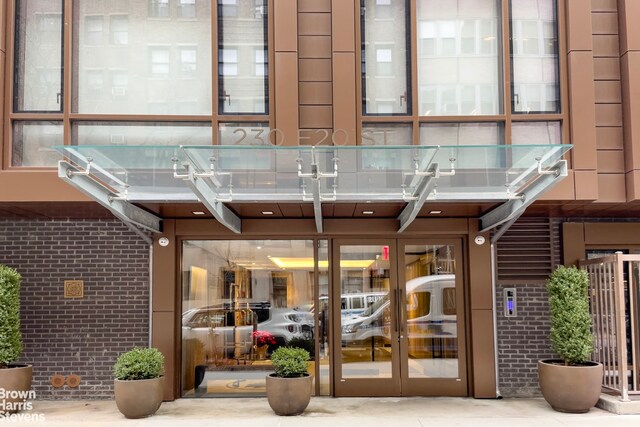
(188,62)
(159,61)
(187,9)
(385,47)
(119,83)
(449,301)
(533,133)
(534,57)
(119,28)
(32,142)
(158,8)
(94,28)
(242,61)
(95,82)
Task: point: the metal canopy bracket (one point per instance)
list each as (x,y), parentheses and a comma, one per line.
(210,199)
(514,208)
(423,189)
(130,214)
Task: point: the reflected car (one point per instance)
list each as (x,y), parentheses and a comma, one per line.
(430,313)
(226,333)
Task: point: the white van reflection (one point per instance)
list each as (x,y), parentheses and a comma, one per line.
(431,313)
(356,303)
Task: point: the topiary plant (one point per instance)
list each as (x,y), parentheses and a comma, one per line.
(290,362)
(571,336)
(139,364)
(10,337)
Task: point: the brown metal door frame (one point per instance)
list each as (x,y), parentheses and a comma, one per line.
(399,384)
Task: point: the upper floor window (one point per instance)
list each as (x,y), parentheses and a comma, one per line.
(243,84)
(119,28)
(158,8)
(187,9)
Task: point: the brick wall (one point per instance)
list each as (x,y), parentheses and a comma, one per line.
(79,336)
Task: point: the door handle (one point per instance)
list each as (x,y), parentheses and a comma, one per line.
(399,313)
(391,313)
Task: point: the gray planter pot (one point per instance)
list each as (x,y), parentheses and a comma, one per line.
(138,398)
(15,378)
(289,396)
(573,389)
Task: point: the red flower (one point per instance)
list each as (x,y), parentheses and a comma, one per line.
(264,338)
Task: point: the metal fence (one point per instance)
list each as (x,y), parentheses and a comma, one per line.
(613,291)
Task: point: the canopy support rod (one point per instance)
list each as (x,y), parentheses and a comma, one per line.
(317,203)
(515,207)
(209,198)
(423,189)
(133,216)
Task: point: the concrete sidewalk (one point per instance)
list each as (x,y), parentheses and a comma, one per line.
(325,411)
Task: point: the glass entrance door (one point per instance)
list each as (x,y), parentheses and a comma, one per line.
(400,327)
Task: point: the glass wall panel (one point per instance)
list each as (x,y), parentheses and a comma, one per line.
(461,134)
(244,133)
(240,301)
(127,61)
(324,308)
(535,133)
(32,142)
(242,57)
(385,62)
(38,55)
(458,57)
(386,134)
(534,57)
(137,133)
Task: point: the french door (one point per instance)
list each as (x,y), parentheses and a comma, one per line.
(400,329)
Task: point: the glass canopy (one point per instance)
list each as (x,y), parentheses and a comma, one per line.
(335,174)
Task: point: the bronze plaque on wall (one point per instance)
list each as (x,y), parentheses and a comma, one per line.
(74,288)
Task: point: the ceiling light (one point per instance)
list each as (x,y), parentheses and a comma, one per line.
(367,212)
(434,212)
(267,212)
(198,213)
(307,263)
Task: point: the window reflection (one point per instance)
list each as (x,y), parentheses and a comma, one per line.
(240,301)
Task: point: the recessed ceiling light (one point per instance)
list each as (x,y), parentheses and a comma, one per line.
(267,212)
(367,212)
(434,212)
(198,213)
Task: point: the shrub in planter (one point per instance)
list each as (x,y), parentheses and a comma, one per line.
(139,382)
(572,383)
(13,377)
(289,387)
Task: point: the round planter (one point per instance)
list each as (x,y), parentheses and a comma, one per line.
(573,389)
(138,398)
(15,378)
(288,396)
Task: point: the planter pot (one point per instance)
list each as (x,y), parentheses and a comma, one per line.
(289,396)
(138,398)
(15,378)
(573,389)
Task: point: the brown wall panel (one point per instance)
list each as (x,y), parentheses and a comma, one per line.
(607,234)
(316,116)
(573,244)
(26,186)
(630,70)
(606,68)
(164,270)
(604,22)
(628,15)
(315,93)
(286,95)
(483,354)
(615,188)
(562,190)
(344,94)
(583,115)
(285,18)
(633,185)
(608,92)
(314,47)
(314,5)
(315,136)
(602,5)
(436,226)
(578,18)
(611,161)
(163,338)
(315,70)
(608,115)
(609,138)
(314,24)
(606,46)
(479,274)
(586,185)
(344,25)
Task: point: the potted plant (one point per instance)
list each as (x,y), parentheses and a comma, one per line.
(13,377)
(572,383)
(263,339)
(289,387)
(139,382)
